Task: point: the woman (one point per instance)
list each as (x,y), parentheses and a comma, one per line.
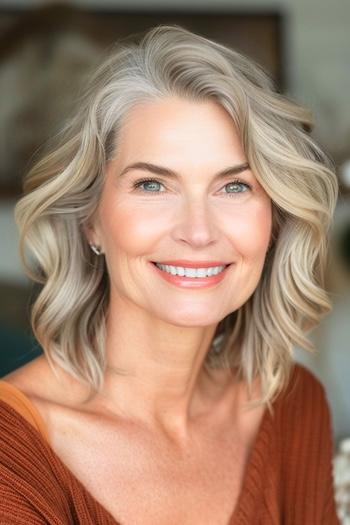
(180,233)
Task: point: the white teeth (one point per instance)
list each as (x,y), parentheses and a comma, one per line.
(172,270)
(191,272)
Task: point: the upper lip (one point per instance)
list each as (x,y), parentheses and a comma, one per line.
(193,264)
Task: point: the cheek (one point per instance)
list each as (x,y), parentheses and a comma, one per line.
(129,227)
(252,231)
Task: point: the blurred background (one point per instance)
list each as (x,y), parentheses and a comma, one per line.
(47,48)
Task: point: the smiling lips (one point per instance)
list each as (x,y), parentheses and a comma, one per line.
(192,275)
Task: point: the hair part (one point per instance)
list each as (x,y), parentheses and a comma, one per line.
(62,190)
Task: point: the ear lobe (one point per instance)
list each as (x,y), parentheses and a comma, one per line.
(89,233)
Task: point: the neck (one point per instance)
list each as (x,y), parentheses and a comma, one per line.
(155,373)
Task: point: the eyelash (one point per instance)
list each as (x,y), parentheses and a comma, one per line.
(137,185)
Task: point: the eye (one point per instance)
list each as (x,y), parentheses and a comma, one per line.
(237,186)
(150,183)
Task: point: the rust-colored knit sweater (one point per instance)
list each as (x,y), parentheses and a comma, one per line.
(288,479)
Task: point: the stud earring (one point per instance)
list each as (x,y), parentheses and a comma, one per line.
(96,249)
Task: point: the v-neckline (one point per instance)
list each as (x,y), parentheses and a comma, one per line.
(244,501)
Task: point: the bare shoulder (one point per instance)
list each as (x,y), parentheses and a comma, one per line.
(44,388)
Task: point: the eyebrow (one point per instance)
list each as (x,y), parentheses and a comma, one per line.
(160,170)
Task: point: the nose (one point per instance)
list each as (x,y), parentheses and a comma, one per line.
(196,224)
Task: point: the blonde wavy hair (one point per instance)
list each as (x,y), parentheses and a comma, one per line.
(61,194)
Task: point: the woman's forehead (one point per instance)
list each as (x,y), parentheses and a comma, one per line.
(174,130)
(175,118)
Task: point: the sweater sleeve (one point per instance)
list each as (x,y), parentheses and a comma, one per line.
(36,487)
(308,451)
(329,512)
(31,491)
(15,510)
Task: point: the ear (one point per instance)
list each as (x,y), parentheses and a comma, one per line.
(90,232)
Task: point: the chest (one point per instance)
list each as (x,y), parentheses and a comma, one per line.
(139,480)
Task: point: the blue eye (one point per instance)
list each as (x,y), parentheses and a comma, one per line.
(152,183)
(238,186)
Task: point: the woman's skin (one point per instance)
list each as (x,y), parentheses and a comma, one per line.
(158,333)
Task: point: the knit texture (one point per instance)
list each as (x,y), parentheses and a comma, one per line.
(288,479)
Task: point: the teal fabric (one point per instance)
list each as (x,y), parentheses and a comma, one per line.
(16,349)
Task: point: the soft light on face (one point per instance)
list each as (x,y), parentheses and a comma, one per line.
(195,216)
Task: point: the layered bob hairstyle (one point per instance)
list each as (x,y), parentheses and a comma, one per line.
(61,194)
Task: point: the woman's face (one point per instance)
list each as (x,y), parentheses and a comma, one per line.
(194,215)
